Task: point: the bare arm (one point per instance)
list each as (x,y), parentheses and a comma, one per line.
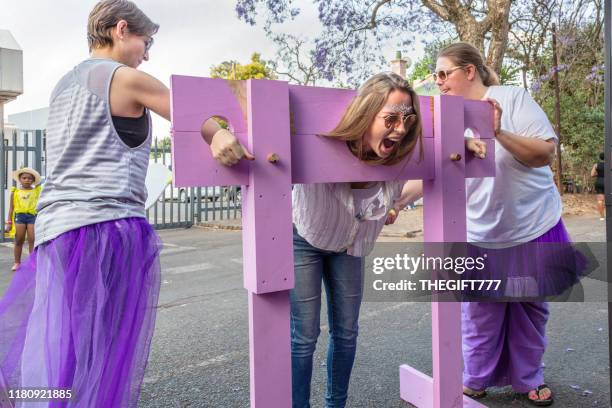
(411,192)
(131,90)
(530,151)
(594,171)
(9,220)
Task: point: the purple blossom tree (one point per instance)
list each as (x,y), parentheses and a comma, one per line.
(354,31)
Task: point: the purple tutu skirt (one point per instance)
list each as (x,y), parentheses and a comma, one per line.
(547,266)
(79,315)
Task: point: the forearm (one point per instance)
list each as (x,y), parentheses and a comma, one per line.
(530,151)
(412,191)
(209,128)
(10,211)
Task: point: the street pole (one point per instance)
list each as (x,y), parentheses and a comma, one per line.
(607,150)
(557,109)
(2,120)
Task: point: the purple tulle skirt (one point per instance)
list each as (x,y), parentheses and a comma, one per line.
(79,315)
(547,266)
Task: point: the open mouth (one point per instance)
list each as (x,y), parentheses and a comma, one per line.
(388,143)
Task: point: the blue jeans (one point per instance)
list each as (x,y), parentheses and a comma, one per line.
(25,218)
(342,276)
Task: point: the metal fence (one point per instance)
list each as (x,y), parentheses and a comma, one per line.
(19,148)
(176,208)
(183,207)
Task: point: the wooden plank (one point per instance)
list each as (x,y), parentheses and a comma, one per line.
(270,350)
(267,228)
(319,159)
(417,389)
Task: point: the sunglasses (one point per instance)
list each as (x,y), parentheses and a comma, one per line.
(444,73)
(393,120)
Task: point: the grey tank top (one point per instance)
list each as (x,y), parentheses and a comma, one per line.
(92,175)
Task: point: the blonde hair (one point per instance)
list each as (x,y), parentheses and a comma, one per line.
(107,13)
(464,54)
(362,111)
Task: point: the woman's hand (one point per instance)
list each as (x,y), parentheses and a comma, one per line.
(497,114)
(392,216)
(476,146)
(531,151)
(226,148)
(9,225)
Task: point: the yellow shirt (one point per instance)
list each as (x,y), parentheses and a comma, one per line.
(24,201)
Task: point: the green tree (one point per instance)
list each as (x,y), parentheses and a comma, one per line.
(256,69)
(233,70)
(581,82)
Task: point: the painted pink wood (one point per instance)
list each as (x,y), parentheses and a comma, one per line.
(268,245)
(270,350)
(193,101)
(417,389)
(317,110)
(448,192)
(475,167)
(318,158)
(189,148)
(444,221)
(267,227)
(479,117)
(267,209)
(313,110)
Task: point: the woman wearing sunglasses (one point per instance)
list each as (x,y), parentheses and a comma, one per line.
(503,343)
(335,227)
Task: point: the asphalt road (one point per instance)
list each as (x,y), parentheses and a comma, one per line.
(200,349)
(199,355)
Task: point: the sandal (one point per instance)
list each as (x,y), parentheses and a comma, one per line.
(15,266)
(473,394)
(541,402)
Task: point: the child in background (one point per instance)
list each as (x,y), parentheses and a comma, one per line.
(22,210)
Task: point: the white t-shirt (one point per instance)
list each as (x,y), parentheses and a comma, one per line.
(520,203)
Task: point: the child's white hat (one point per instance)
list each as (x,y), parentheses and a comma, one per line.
(28,170)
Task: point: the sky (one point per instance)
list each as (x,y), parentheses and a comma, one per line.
(193,36)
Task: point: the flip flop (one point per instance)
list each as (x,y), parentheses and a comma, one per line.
(475,395)
(541,402)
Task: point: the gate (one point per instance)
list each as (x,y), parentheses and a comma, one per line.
(184,207)
(176,208)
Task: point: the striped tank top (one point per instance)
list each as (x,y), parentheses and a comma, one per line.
(92,175)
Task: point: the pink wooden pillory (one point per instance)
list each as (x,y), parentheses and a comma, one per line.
(280,124)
